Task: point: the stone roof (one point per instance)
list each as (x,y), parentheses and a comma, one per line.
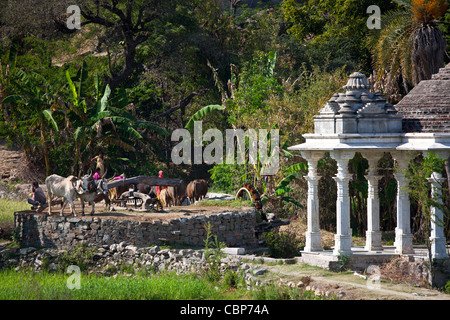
(426,108)
(357,111)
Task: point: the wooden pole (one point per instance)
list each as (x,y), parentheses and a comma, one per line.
(152,181)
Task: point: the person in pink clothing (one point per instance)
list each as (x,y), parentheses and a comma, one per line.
(97,175)
(122,176)
(158,188)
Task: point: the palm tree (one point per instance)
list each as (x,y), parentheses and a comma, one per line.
(409,47)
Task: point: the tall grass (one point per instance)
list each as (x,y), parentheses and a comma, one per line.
(53,286)
(23,285)
(7,209)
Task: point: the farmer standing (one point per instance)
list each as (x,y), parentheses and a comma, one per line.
(100,163)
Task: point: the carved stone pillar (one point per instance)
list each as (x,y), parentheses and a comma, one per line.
(403,236)
(373,233)
(343,237)
(313,234)
(438,249)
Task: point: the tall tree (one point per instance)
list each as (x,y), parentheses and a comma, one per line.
(333,31)
(129,23)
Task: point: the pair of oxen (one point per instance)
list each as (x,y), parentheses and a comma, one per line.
(86,188)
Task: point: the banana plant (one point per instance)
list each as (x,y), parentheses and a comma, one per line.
(100,119)
(36,100)
(282,189)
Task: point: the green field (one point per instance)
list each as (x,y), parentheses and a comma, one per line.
(53,286)
(23,285)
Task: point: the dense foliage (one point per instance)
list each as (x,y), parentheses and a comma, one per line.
(137,70)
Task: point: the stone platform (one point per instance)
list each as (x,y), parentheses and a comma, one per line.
(360,259)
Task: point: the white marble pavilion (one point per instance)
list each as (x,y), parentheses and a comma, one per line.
(361,121)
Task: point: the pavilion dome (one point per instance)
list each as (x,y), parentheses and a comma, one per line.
(426,108)
(357,111)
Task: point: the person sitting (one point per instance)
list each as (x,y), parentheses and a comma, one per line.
(39,200)
(97,175)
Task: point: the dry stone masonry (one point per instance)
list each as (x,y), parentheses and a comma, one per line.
(235,228)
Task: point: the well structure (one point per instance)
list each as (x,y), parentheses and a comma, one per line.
(358,120)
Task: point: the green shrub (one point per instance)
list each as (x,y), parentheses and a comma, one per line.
(213,254)
(343,262)
(283,244)
(447,287)
(276,292)
(81,255)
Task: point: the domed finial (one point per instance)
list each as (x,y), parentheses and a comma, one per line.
(357,82)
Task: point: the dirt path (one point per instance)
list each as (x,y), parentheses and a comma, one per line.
(349,286)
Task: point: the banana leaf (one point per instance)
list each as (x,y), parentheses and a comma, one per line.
(201,113)
(48,115)
(292,200)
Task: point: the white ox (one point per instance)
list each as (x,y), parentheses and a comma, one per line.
(67,188)
(93,189)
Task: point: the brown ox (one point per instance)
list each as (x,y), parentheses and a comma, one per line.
(197,190)
(177,193)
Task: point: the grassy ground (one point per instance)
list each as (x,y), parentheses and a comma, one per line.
(22,285)
(229,203)
(53,286)
(7,209)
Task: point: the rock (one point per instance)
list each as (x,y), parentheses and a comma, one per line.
(234,251)
(132,248)
(305,281)
(25,251)
(270,216)
(121,246)
(291,284)
(13,262)
(259,272)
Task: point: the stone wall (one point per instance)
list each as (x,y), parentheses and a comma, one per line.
(235,228)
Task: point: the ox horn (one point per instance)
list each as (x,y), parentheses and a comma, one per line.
(104,175)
